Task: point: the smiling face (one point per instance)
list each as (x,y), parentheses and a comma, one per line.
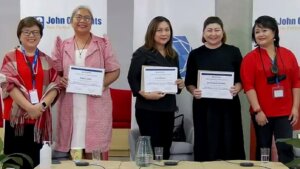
(213,34)
(163,34)
(264,37)
(30,37)
(82,21)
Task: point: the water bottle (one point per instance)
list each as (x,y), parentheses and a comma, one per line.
(144,153)
(45,156)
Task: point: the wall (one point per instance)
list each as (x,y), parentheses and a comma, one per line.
(120,31)
(10,16)
(237,18)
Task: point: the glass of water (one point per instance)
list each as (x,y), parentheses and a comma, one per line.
(158,151)
(96,156)
(264,154)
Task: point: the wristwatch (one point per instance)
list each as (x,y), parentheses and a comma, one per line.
(256,111)
(44,106)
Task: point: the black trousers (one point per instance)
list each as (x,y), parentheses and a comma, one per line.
(22,144)
(279,126)
(157,125)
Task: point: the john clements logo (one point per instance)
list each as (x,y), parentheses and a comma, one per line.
(62,21)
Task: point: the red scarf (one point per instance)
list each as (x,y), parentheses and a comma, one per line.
(43,125)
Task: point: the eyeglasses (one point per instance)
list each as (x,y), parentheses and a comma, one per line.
(85,18)
(28,33)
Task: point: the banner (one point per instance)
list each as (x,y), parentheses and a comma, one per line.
(55,15)
(287,16)
(186,17)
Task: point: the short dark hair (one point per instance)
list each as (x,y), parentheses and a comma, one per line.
(211,20)
(29,22)
(151,30)
(267,22)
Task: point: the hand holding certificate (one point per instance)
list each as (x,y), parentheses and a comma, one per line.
(157,78)
(215,84)
(84,80)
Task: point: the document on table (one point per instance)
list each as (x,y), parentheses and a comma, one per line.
(159,78)
(215,84)
(85,80)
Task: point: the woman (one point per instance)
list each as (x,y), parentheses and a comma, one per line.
(29,92)
(270,77)
(155,107)
(84,121)
(217,122)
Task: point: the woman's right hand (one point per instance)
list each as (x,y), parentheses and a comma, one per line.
(35,111)
(197,93)
(152,95)
(261,118)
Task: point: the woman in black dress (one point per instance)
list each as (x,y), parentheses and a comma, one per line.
(217,122)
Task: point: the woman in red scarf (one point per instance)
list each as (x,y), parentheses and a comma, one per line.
(29,91)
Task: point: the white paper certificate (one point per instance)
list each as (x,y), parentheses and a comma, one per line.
(215,84)
(157,78)
(85,80)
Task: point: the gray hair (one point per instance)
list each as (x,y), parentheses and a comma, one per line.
(79,8)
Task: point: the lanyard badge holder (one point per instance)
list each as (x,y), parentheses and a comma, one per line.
(278,91)
(33,94)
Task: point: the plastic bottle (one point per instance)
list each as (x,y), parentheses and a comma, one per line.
(45,156)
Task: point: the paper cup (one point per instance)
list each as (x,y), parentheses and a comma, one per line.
(76,154)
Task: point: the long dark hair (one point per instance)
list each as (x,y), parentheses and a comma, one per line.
(267,22)
(151,30)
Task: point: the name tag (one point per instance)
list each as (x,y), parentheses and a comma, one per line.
(33,94)
(278,92)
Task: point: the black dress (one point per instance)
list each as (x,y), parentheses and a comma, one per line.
(155,118)
(217,122)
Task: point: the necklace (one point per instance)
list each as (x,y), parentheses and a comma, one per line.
(81,50)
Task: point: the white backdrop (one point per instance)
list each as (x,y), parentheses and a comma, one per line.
(287,16)
(55,15)
(187,19)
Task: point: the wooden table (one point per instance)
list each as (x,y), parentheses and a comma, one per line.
(233,164)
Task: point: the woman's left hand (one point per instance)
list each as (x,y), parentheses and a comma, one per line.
(180,83)
(294,117)
(234,90)
(63,81)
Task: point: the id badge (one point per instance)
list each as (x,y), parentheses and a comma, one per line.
(33,94)
(278,92)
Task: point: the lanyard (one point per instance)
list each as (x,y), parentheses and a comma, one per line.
(33,65)
(276,75)
(273,62)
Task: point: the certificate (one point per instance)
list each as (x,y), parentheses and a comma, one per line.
(85,80)
(215,84)
(158,78)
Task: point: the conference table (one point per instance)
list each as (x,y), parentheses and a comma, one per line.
(232,164)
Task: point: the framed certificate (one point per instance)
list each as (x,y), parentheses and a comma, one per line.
(215,84)
(158,78)
(85,80)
